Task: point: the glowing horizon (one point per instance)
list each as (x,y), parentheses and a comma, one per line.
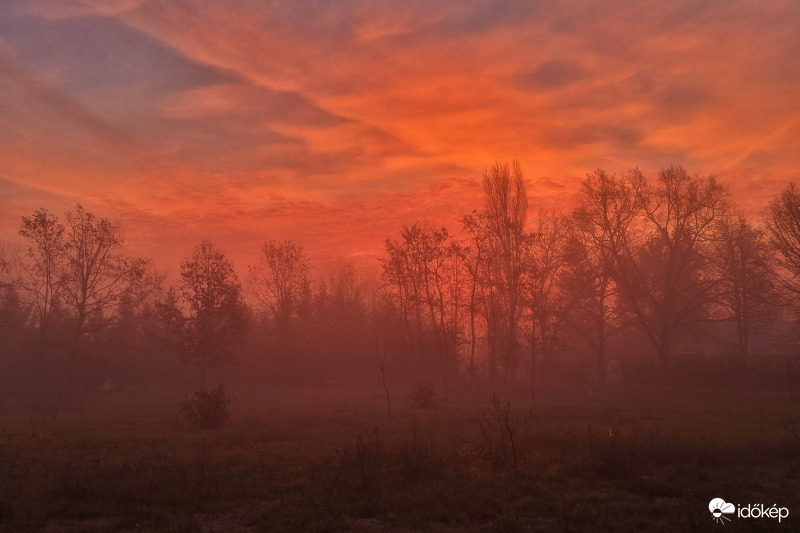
(333,126)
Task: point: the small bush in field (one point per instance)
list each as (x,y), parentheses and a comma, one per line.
(207,409)
(499,428)
(423,396)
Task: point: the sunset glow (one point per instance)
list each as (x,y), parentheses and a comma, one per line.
(333,124)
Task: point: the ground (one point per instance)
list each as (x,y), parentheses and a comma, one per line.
(329,459)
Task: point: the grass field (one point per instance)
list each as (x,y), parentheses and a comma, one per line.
(330,460)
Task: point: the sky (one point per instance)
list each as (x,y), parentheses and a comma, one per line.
(335,123)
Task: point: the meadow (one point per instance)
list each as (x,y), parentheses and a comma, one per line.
(328,458)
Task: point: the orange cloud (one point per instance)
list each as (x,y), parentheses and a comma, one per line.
(335,125)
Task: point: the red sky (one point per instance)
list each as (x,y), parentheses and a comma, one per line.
(335,123)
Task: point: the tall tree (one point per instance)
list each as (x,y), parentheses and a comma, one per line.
(543,288)
(505,209)
(663,258)
(474,255)
(207,314)
(602,215)
(402,291)
(747,293)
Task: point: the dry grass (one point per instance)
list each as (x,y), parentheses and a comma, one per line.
(328,460)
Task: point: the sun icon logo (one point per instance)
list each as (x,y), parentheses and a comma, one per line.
(719,509)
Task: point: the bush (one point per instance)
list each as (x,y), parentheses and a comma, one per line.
(499,430)
(423,396)
(207,409)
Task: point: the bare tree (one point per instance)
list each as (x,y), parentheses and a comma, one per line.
(96,273)
(424,270)
(505,209)
(663,258)
(782,223)
(474,255)
(206,315)
(542,286)
(340,325)
(400,274)
(747,292)
(602,216)
(41,285)
(280,282)
(12,265)
(45,237)
(340,296)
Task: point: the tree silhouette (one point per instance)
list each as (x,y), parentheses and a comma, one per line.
(505,210)
(747,293)
(661,234)
(782,223)
(206,315)
(41,286)
(280,282)
(96,273)
(474,256)
(599,219)
(424,272)
(45,236)
(542,286)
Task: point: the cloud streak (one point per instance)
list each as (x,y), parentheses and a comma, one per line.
(337,124)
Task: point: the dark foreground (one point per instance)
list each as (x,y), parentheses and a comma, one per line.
(330,460)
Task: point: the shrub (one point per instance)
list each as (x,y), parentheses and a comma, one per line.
(417,458)
(207,409)
(499,429)
(423,396)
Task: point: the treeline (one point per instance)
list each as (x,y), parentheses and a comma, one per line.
(513,295)
(79,313)
(509,298)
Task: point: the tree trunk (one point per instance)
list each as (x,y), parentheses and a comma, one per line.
(601,347)
(533,361)
(472,342)
(203,371)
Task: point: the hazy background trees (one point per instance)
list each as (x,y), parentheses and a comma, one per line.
(341,332)
(77,272)
(16,375)
(509,300)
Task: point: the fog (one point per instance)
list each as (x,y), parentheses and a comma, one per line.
(641,341)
